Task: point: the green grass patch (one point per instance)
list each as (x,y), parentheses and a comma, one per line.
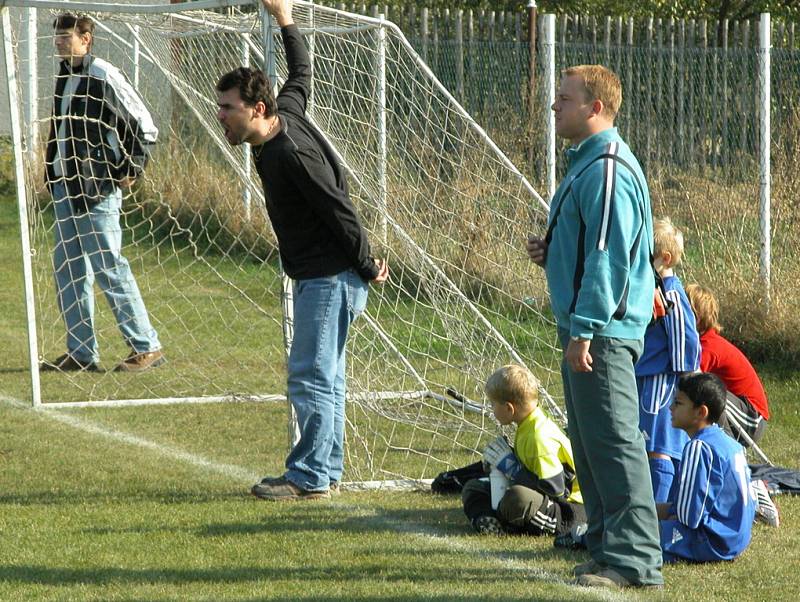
(89,517)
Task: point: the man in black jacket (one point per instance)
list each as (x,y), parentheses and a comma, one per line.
(323,248)
(97,146)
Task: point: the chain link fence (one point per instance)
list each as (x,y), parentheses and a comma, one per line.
(691,113)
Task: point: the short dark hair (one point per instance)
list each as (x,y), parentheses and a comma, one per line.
(705,389)
(253,85)
(80,23)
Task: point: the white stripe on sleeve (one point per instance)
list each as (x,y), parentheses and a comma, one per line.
(610,170)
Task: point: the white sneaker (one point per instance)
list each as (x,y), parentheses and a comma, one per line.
(766,510)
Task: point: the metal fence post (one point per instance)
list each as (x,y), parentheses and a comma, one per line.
(531,82)
(764,69)
(460,55)
(424,32)
(532,46)
(549,67)
(137,54)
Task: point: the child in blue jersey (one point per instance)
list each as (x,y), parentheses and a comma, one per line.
(671,347)
(711,514)
(543,497)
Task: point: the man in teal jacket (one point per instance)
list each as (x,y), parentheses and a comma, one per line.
(596,255)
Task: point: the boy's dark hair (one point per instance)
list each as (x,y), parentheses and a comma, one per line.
(80,23)
(704,388)
(253,87)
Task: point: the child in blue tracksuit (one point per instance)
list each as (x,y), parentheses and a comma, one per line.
(710,515)
(671,347)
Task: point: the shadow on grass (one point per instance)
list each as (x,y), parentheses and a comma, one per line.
(258,575)
(50,498)
(340,518)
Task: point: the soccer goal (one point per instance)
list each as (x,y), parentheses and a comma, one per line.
(441,202)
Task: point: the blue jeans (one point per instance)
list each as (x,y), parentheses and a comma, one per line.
(88,247)
(324,308)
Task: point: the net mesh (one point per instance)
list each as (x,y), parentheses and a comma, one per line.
(451,216)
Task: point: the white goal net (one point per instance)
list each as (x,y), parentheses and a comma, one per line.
(440,202)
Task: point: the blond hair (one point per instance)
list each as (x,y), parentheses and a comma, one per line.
(600,83)
(705,307)
(667,239)
(513,384)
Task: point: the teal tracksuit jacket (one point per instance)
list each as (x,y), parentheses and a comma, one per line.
(598,258)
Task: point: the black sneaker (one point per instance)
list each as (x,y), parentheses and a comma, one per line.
(67,363)
(488,525)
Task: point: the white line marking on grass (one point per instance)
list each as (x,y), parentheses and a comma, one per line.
(235,472)
(425,534)
(526,570)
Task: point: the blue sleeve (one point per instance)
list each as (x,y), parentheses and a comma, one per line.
(682,338)
(611,220)
(692,501)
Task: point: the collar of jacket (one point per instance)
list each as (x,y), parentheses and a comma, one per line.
(66,65)
(591,147)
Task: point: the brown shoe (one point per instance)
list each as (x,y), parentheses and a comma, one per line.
(283,490)
(67,363)
(610,579)
(137,362)
(587,568)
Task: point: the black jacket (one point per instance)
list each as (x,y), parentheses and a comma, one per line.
(102,136)
(319,233)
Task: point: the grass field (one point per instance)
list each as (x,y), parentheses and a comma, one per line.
(152,504)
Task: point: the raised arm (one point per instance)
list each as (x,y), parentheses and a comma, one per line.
(281,10)
(293,96)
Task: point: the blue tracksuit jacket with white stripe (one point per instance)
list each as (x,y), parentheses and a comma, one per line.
(671,347)
(598,259)
(714,505)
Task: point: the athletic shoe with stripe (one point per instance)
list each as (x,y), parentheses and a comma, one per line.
(766,510)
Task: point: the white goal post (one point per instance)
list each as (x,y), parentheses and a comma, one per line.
(440,200)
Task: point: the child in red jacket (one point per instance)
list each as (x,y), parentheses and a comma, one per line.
(747,400)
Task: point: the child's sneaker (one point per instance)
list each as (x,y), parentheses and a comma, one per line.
(574,540)
(488,525)
(766,510)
